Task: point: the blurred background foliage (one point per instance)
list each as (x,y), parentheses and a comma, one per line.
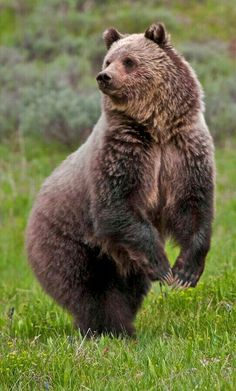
(50,52)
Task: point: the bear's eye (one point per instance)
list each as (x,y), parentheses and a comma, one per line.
(107,63)
(128,62)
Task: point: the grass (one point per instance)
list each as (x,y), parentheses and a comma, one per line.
(185,340)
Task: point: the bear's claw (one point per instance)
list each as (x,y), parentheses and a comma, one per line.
(167,278)
(178,283)
(185,280)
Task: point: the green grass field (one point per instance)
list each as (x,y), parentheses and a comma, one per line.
(185,339)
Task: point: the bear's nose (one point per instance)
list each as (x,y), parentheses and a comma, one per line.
(103,77)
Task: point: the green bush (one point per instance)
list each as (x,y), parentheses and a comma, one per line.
(210,59)
(216,71)
(221,107)
(10,56)
(53,100)
(61,114)
(57,49)
(10,109)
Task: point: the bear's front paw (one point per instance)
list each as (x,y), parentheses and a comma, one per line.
(157,273)
(186,275)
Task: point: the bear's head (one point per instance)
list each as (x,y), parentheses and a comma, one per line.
(144,77)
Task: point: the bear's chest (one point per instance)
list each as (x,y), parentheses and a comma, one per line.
(163,179)
(170,171)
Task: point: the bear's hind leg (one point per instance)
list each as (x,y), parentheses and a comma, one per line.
(106,314)
(110,302)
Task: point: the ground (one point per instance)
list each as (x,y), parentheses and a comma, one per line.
(185,339)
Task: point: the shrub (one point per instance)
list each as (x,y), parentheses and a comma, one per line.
(61,114)
(216,72)
(10,109)
(55,101)
(209,59)
(10,56)
(47,79)
(221,107)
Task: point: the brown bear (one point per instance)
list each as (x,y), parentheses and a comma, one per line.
(96,235)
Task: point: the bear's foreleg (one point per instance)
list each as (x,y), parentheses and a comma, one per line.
(123,229)
(193,233)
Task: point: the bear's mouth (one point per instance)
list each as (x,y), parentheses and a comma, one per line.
(107,88)
(107,85)
(104,87)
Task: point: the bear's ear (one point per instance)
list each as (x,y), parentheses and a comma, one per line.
(157,33)
(111,35)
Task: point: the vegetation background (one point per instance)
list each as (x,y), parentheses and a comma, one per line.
(50,52)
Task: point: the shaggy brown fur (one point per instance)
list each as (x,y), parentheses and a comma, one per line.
(96,234)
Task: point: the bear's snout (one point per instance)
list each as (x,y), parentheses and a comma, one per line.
(104,78)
